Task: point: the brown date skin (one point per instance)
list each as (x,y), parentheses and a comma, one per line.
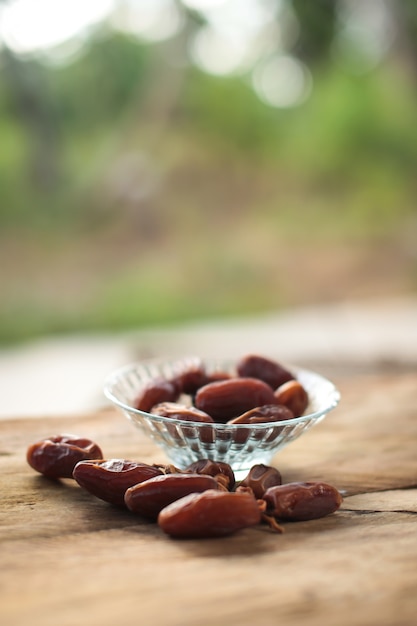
(150,497)
(181,412)
(267,370)
(261,415)
(209,514)
(260,478)
(302,500)
(56,456)
(187,414)
(109,479)
(156,391)
(226,399)
(193,375)
(213,468)
(293,395)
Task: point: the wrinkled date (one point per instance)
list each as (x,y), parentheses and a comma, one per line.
(226,399)
(260,478)
(302,501)
(261,415)
(181,412)
(56,456)
(209,514)
(270,372)
(151,496)
(109,479)
(221,471)
(186,414)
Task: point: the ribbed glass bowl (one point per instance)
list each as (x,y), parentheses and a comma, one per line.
(239,445)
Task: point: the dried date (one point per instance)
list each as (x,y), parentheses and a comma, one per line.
(261,415)
(302,500)
(156,391)
(150,497)
(293,395)
(267,370)
(109,479)
(186,414)
(193,374)
(260,478)
(221,471)
(209,514)
(56,456)
(181,412)
(226,399)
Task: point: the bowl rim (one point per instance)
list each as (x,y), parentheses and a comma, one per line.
(119,373)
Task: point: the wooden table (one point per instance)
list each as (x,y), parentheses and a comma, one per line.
(67,558)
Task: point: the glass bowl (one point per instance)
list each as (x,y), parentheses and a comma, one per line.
(239,445)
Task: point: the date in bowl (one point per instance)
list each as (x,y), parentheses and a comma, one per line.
(186,441)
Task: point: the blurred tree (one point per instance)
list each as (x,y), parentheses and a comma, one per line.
(98,86)
(317,28)
(405,13)
(29,100)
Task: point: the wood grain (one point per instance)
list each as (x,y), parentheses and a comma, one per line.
(67,558)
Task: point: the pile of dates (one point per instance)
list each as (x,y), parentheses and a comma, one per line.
(260,390)
(202,500)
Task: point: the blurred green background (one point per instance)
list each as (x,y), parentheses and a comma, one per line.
(164,161)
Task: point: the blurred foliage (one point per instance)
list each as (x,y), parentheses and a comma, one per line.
(317,24)
(135,191)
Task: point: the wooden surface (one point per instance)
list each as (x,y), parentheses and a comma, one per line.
(67,558)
